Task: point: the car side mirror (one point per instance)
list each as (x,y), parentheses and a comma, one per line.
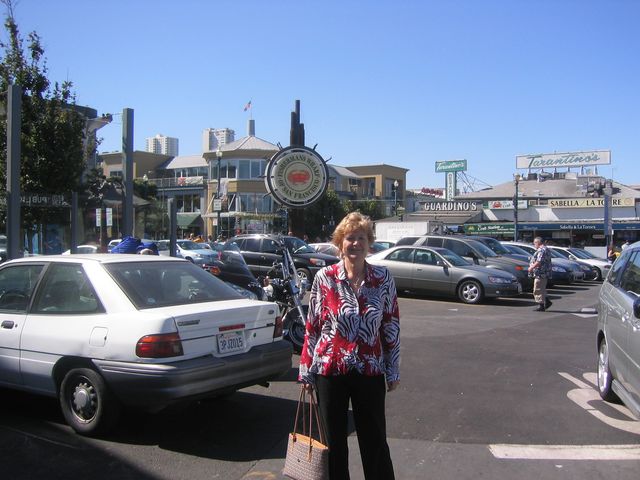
(440,263)
(636,307)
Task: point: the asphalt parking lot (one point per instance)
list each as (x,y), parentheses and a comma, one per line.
(488,391)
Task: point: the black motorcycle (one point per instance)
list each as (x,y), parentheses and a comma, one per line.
(283,286)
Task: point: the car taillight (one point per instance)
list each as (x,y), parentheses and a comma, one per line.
(278,329)
(214,270)
(519,267)
(159,346)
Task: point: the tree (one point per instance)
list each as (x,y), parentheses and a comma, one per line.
(369,207)
(53,156)
(318,217)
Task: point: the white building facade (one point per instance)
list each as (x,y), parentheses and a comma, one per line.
(162,145)
(212,138)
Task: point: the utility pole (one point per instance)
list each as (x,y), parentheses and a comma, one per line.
(296,139)
(127,170)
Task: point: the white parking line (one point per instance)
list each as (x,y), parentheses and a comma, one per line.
(586,396)
(566,452)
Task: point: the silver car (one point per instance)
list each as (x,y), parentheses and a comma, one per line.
(618,334)
(439,271)
(197,252)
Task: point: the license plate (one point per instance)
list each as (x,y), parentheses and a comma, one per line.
(230,342)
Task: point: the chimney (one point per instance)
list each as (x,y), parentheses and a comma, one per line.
(251,128)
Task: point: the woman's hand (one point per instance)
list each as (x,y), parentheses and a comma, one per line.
(391,386)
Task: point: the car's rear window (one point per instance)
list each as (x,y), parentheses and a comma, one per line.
(159,284)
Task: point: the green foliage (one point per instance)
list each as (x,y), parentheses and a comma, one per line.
(371,208)
(53,149)
(318,217)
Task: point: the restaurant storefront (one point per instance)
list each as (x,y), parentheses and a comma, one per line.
(580,234)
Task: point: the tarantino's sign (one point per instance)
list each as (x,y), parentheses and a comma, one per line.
(451,206)
(589,202)
(296,176)
(570,159)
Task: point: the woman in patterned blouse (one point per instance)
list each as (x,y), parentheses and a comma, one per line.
(351,350)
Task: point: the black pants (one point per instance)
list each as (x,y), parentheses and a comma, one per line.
(367,396)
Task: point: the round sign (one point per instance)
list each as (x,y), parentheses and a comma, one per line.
(296,176)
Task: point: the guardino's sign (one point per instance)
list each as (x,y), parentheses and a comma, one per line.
(451,206)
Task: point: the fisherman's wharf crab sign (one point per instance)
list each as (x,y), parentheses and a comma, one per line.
(296,176)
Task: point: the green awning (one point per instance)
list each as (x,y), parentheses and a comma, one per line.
(186,220)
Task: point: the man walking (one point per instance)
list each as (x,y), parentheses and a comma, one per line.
(540,270)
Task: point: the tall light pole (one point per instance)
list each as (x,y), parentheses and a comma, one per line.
(396,184)
(219,157)
(516,182)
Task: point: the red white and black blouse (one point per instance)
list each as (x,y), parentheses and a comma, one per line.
(348,332)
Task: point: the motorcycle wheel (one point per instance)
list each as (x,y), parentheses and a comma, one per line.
(295,327)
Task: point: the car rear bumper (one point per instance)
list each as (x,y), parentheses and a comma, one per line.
(155,386)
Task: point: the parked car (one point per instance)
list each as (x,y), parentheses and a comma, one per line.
(196,252)
(105,331)
(376,247)
(563,270)
(601,265)
(618,337)
(230,266)
(84,249)
(261,250)
(439,271)
(408,240)
(113,243)
(326,247)
(386,243)
(479,254)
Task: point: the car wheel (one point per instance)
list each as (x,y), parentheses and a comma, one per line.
(470,291)
(604,374)
(304,274)
(87,404)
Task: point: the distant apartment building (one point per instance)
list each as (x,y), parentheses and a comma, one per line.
(162,145)
(212,138)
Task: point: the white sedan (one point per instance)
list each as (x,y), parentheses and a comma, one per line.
(104,331)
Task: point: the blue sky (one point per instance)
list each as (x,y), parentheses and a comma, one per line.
(406,83)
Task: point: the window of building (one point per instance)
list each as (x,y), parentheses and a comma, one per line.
(244,169)
(188,203)
(257,168)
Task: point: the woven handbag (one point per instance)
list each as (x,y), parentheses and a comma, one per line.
(307,458)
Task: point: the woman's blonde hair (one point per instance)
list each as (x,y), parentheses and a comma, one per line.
(352,222)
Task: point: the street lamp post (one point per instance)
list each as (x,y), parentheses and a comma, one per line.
(516,182)
(396,184)
(145,182)
(219,157)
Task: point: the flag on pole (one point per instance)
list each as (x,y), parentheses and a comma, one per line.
(247,106)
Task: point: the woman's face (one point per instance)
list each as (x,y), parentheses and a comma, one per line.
(355,245)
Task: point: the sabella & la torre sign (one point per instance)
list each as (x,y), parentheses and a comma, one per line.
(568,159)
